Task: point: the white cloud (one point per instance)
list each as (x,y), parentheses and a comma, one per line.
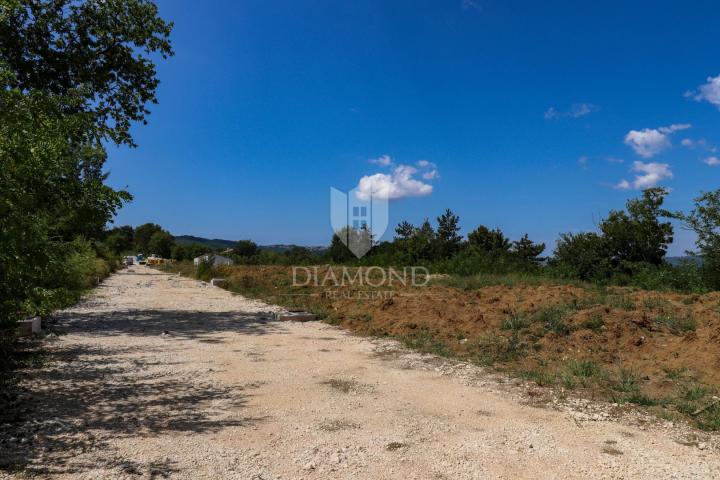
(400,183)
(470,5)
(648,175)
(431,171)
(712,161)
(577,110)
(649,142)
(383,160)
(709,92)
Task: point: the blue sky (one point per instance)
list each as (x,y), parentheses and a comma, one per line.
(534,117)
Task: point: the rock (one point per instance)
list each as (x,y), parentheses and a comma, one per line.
(309,466)
(295,317)
(29,326)
(702,446)
(218,282)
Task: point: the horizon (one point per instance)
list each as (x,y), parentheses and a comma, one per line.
(532,118)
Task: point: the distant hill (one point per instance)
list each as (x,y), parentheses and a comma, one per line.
(675,261)
(220,244)
(215,243)
(280,248)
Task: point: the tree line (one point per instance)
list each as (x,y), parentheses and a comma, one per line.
(629,247)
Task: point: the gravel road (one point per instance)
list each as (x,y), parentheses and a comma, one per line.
(160,376)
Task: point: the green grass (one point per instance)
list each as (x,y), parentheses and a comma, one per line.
(540,377)
(584,368)
(427,342)
(621,301)
(516,321)
(656,302)
(594,323)
(553,318)
(678,324)
(693,393)
(627,382)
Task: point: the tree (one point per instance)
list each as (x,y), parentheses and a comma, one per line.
(120,239)
(704,220)
(95,51)
(246,248)
(639,235)
(161,243)
(143,233)
(299,255)
(448,236)
(338,252)
(72,75)
(489,241)
(582,255)
(404,230)
(526,250)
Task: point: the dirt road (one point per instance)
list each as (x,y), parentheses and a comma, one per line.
(161,376)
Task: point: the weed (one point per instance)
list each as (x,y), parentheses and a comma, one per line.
(516,321)
(656,302)
(709,419)
(493,348)
(622,302)
(694,393)
(627,382)
(675,373)
(584,368)
(395,446)
(568,381)
(594,323)
(553,318)
(426,341)
(676,323)
(540,377)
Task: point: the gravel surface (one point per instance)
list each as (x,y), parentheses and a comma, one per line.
(160,376)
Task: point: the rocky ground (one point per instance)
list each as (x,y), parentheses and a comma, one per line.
(160,376)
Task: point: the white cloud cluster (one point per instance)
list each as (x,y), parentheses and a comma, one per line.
(383,160)
(650,141)
(712,161)
(709,92)
(400,182)
(577,110)
(648,175)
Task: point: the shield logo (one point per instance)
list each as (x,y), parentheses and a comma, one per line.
(358,222)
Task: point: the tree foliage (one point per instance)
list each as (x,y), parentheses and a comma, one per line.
(73,74)
(98,52)
(704,220)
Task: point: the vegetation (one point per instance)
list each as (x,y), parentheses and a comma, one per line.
(71,81)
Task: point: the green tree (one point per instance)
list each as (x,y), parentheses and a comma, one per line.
(98,52)
(143,233)
(527,250)
(161,243)
(404,230)
(246,248)
(299,255)
(448,234)
(704,220)
(338,252)
(120,239)
(639,235)
(489,241)
(582,255)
